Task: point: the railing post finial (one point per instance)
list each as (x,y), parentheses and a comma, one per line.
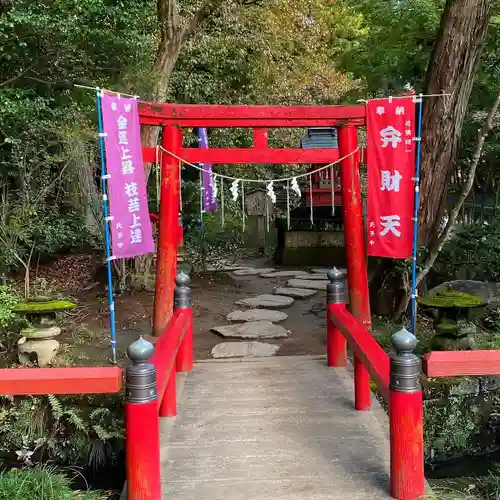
(405,365)
(406,419)
(142,427)
(182,294)
(336,290)
(140,376)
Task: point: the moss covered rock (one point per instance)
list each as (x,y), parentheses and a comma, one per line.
(37,307)
(451,298)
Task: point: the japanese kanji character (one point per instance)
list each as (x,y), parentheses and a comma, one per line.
(120,235)
(122,137)
(407,123)
(119,244)
(113,106)
(372,233)
(372,224)
(136,222)
(390,182)
(122,123)
(390,135)
(134,205)
(408,142)
(131,189)
(400,110)
(127,167)
(380,110)
(372,242)
(390,223)
(127,107)
(136,235)
(125,154)
(119,225)
(408,132)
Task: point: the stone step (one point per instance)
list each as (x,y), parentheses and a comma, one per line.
(252,271)
(283,274)
(267,300)
(309,284)
(257,315)
(297,293)
(252,330)
(244,350)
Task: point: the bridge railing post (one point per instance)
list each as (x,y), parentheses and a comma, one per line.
(142,428)
(406,419)
(184,357)
(336,297)
(183,299)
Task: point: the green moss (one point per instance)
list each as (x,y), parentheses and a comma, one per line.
(451,298)
(444,328)
(43,307)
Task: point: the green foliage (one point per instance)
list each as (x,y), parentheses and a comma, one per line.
(492,320)
(40,483)
(396,45)
(475,249)
(86,432)
(8,302)
(205,237)
(449,428)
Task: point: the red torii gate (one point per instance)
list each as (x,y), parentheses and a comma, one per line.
(173,117)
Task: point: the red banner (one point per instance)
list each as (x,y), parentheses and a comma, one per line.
(391,172)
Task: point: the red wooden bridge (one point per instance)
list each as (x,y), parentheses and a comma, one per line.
(268,429)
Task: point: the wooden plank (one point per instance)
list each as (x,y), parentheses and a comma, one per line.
(41,381)
(213,115)
(461,363)
(366,348)
(260,138)
(250,155)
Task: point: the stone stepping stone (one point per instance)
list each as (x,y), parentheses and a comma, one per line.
(309,284)
(244,350)
(297,293)
(313,277)
(223,267)
(257,315)
(267,300)
(252,271)
(283,274)
(252,330)
(320,271)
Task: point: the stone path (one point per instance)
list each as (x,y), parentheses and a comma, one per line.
(259,320)
(252,330)
(257,315)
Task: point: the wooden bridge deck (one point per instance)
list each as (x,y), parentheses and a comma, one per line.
(271,429)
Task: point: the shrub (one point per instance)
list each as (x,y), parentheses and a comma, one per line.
(475,250)
(40,483)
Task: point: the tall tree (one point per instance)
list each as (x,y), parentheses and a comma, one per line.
(452,69)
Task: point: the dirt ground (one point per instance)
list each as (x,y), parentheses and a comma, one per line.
(85,337)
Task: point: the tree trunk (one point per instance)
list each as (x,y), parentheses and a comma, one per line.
(174,33)
(451,70)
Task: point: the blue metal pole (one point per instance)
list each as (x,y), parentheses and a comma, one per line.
(106,228)
(415,218)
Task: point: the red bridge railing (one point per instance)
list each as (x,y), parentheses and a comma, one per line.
(150,393)
(150,390)
(398,378)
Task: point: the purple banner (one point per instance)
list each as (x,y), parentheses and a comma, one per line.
(209,200)
(131,230)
